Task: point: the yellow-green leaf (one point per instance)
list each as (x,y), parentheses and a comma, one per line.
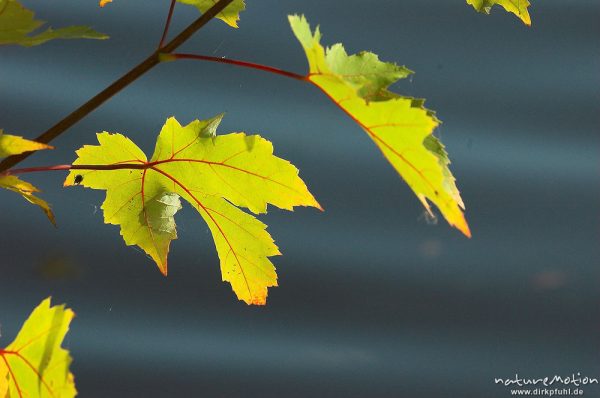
(400,126)
(214,174)
(3,381)
(14,145)
(230,15)
(35,365)
(19,26)
(517,7)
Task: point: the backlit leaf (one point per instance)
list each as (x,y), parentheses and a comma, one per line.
(517,7)
(14,145)
(19,26)
(230,15)
(400,126)
(212,173)
(35,365)
(3,381)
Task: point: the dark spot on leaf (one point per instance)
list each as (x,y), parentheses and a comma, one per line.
(78,179)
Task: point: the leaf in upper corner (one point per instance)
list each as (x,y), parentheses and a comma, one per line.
(517,7)
(19,26)
(34,364)
(230,15)
(15,145)
(400,126)
(211,172)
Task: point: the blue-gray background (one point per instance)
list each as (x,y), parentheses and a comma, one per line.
(374,300)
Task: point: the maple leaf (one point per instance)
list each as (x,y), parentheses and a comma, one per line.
(18,26)
(214,174)
(14,145)
(400,126)
(35,365)
(230,15)
(517,7)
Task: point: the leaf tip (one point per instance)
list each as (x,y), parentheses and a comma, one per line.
(462,225)
(466,231)
(163,267)
(51,217)
(260,300)
(46,302)
(208,128)
(319,207)
(315,203)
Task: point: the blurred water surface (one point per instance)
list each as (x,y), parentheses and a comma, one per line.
(374,300)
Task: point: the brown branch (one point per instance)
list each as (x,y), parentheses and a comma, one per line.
(119,84)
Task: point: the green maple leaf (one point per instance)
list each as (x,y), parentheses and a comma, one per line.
(18,26)
(14,145)
(400,126)
(517,7)
(35,365)
(214,174)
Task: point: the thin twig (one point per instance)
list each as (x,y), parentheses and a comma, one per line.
(167,24)
(118,85)
(244,64)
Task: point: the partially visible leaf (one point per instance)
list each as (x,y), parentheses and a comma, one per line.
(35,364)
(400,126)
(19,26)
(15,145)
(230,15)
(214,174)
(26,190)
(517,7)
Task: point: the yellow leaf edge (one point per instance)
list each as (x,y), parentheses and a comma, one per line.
(520,9)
